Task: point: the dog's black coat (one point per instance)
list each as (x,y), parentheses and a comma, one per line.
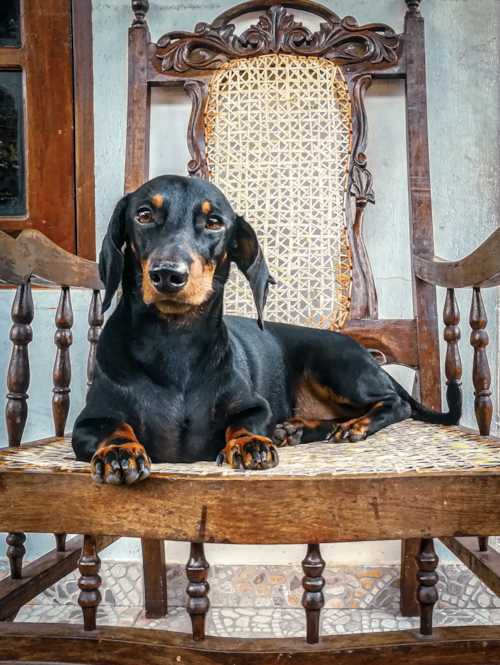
(181,374)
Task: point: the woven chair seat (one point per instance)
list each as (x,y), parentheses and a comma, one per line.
(405,448)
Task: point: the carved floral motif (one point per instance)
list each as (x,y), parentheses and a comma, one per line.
(342,40)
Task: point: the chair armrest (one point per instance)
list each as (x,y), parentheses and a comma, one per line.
(33,255)
(481,268)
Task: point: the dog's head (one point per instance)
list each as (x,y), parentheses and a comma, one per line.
(179,236)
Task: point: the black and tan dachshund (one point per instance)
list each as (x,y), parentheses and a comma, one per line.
(175,381)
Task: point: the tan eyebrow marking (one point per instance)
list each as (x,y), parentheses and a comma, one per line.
(157,200)
(206,207)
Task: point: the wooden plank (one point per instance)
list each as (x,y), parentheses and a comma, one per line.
(395,338)
(155,578)
(41,574)
(485,565)
(128,646)
(408,600)
(83,77)
(258,510)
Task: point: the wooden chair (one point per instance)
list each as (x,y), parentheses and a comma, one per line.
(346,495)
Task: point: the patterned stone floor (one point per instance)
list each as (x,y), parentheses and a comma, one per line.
(253,601)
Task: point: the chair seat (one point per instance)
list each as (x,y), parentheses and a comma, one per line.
(408,447)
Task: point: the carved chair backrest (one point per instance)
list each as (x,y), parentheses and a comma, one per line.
(312,224)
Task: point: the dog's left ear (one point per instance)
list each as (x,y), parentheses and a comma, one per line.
(111,259)
(248,256)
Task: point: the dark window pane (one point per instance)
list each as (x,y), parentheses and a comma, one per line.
(12,178)
(10,23)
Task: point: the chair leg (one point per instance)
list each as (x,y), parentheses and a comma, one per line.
(313,598)
(408,600)
(89,582)
(198,603)
(427,594)
(155,578)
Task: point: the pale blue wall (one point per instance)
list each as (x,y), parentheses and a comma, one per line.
(463,89)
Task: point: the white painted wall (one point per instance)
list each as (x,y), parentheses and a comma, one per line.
(462,71)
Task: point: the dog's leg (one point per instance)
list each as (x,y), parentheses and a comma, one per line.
(390,410)
(116,456)
(302,430)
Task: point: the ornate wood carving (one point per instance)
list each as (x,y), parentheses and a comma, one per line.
(427,595)
(481,376)
(313,598)
(342,40)
(89,582)
(96,321)
(198,91)
(63,339)
(198,603)
(451,318)
(140,9)
(413,7)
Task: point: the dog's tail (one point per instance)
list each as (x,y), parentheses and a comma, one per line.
(421,412)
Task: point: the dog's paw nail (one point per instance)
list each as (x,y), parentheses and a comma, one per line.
(264,453)
(239,461)
(131,477)
(125,464)
(220,458)
(256,457)
(274,455)
(115,464)
(113,479)
(355,437)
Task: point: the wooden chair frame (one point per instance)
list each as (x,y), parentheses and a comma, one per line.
(415,507)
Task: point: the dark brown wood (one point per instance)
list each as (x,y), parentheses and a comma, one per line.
(427,595)
(96,321)
(313,598)
(482,542)
(249,510)
(197,590)
(408,599)
(484,564)
(451,318)
(63,339)
(41,574)
(395,340)
(45,57)
(15,553)
(155,578)
(18,373)
(60,541)
(198,91)
(480,268)
(481,376)
(137,150)
(89,564)
(50,643)
(83,81)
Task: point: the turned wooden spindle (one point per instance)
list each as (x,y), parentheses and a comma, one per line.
(63,339)
(15,553)
(480,371)
(451,318)
(427,595)
(313,598)
(60,542)
(413,6)
(198,603)
(140,9)
(96,320)
(16,412)
(89,582)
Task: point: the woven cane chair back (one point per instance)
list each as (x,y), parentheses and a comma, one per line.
(278,141)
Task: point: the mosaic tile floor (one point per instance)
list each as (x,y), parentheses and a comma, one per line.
(256,601)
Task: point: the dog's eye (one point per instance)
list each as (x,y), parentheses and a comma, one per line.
(214,224)
(144,216)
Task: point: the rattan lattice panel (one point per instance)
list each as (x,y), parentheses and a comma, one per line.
(278,140)
(407,447)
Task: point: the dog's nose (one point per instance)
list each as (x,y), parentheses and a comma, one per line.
(171,277)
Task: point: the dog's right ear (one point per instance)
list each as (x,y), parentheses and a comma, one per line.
(111,258)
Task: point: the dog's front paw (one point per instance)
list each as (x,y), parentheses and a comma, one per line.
(120,464)
(288,433)
(249,452)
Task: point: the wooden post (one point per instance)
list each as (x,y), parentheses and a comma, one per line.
(198,603)
(63,339)
(89,582)
(155,578)
(16,412)
(313,598)
(481,376)
(427,595)
(96,321)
